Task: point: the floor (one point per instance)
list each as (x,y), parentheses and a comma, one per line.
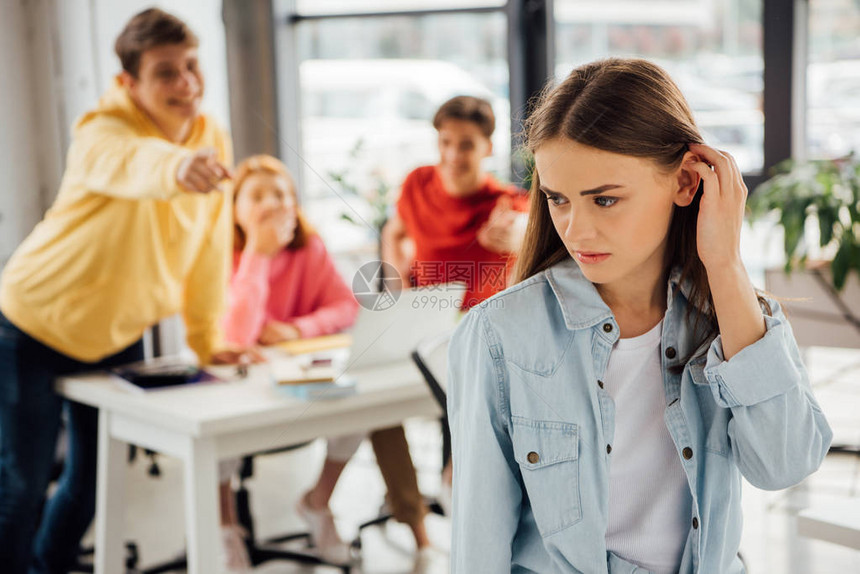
(155,517)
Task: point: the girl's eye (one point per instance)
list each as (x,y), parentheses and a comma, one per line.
(604,201)
(556,200)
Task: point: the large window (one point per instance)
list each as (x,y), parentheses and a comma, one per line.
(833,78)
(369,86)
(329,7)
(368,76)
(712,49)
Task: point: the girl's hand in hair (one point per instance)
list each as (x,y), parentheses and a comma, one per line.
(721,215)
(721,211)
(271,230)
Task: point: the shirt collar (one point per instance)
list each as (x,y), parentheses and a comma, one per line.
(581,304)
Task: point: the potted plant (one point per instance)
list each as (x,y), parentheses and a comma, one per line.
(368,197)
(827,191)
(822,195)
(375,191)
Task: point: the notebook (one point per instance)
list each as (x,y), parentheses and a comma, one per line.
(298,373)
(316,344)
(161,373)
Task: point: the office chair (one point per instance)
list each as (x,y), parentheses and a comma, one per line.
(431,358)
(132,555)
(258,551)
(262,551)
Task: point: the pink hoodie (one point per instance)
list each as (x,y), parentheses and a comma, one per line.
(300,286)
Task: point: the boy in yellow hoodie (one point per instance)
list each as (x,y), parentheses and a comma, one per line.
(140,229)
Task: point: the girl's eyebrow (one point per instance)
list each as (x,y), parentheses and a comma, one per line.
(595,191)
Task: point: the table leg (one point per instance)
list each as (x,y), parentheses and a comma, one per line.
(110,498)
(201,507)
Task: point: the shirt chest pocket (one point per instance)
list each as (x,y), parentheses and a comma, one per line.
(548,456)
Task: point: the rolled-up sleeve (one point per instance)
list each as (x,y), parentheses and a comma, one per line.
(778,433)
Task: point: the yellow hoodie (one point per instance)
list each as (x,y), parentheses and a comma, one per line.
(123,245)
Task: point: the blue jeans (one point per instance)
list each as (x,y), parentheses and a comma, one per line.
(44,537)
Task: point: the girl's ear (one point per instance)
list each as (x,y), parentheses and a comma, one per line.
(687,180)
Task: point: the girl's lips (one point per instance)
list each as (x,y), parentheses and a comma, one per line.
(590,257)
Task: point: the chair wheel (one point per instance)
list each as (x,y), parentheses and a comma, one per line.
(132,556)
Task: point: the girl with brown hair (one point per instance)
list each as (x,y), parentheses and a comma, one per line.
(604,409)
(285,286)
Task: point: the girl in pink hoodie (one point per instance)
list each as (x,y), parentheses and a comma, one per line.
(284,287)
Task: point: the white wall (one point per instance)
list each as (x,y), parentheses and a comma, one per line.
(56,58)
(19,171)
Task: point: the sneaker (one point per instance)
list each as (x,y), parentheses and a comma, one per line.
(430,560)
(324,534)
(234,552)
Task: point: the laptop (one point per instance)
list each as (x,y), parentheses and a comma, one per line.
(392,323)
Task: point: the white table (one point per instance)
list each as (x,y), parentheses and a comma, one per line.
(837,522)
(201,424)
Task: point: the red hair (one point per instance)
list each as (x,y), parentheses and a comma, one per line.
(267,164)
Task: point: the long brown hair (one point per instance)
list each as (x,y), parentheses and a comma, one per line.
(624,106)
(273,166)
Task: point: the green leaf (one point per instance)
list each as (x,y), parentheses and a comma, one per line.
(841,264)
(793,220)
(826,219)
(785,166)
(855,259)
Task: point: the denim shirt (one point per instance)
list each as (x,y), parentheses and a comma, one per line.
(532,428)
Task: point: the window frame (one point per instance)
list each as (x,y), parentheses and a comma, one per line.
(531,58)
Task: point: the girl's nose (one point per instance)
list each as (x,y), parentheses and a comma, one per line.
(579,226)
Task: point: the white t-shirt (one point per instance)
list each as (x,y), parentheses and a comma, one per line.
(649,498)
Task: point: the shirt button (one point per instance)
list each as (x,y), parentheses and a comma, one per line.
(695,523)
(670,352)
(608,448)
(687,452)
(607,327)
(600,384)
(533,457)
